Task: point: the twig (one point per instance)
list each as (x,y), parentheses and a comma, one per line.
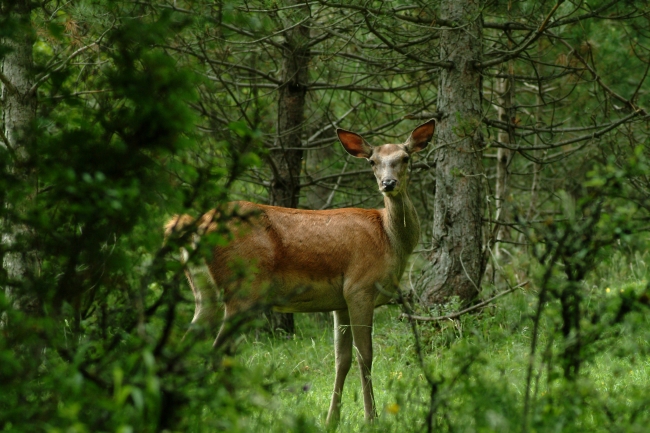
(467,310)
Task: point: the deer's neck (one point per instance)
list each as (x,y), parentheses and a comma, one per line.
(401,224)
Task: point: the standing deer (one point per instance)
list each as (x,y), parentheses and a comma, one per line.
(348,261)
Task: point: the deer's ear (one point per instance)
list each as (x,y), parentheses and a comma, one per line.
(421,136)
(354,144)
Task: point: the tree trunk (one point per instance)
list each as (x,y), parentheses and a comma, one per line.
(18,114)
(505,93)
(456,255)
(286,156)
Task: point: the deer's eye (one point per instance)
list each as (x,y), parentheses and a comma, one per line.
(405,159)
(372,163)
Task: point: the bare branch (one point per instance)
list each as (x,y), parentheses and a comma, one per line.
(466,310)
(443,64)
(600,82)
(532,37)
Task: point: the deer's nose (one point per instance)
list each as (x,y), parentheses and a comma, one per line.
(389,184)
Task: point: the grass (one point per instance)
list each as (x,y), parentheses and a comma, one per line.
(302,369)
(480,365)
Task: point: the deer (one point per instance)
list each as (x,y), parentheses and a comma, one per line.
(348,261)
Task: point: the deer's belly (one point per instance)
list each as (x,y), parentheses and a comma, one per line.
(297,293)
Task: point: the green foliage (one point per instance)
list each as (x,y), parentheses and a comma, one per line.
(171,111)
(91,331)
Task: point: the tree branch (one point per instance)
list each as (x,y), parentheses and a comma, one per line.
(466,310)
(532,37)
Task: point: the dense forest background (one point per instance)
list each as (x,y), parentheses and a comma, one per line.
(117,115)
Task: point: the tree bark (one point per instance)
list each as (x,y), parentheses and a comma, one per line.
(456,253)
(18,115)
(286,156)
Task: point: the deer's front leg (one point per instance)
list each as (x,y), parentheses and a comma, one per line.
(361,322)
(343,359)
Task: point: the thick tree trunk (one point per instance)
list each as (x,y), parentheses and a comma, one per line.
(286,156)
(456,256)
(18,114)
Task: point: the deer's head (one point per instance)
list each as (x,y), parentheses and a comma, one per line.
(389,162)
